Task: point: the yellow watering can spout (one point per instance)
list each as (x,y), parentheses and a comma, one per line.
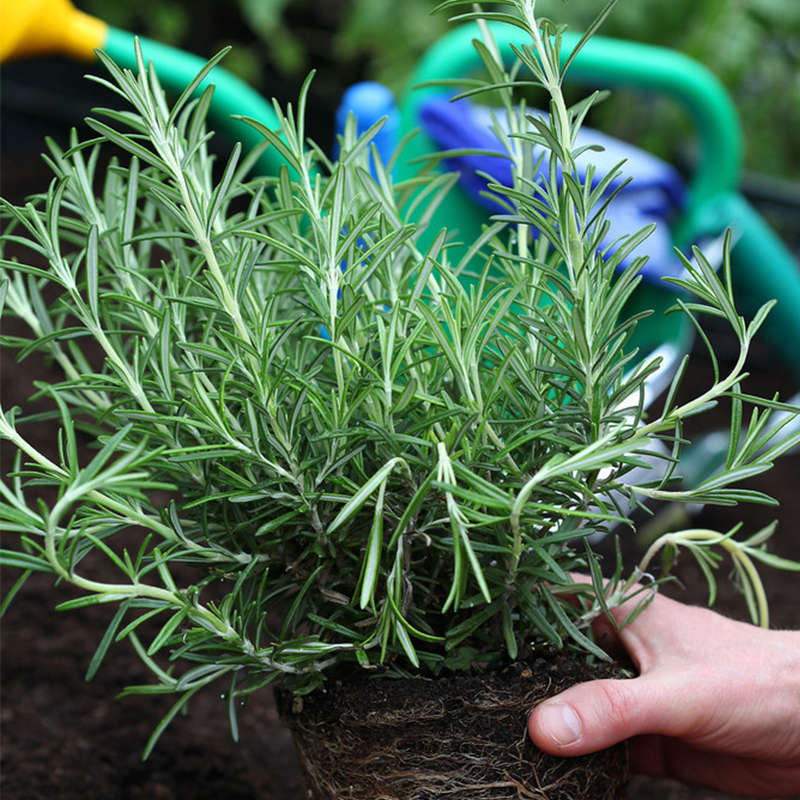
(38,27)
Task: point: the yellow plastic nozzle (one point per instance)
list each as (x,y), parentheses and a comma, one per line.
(40,27)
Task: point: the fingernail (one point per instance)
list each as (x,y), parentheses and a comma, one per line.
(560,722)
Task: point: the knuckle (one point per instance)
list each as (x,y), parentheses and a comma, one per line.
(615,705)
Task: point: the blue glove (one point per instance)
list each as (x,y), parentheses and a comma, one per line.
(656,194)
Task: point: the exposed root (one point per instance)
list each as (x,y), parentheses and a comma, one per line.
(464,737)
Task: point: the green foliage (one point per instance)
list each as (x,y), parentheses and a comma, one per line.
(389,37)
(752,47)
(375,39)
(330,445)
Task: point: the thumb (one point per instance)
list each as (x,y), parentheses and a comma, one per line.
(594,715)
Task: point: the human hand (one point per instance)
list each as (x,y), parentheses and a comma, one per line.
(716,703)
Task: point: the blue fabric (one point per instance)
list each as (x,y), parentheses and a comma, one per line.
(656,194)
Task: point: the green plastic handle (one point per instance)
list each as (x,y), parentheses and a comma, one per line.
(764,269)
(177,69)
(604,63)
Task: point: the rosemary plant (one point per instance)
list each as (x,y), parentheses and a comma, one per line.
(320,442)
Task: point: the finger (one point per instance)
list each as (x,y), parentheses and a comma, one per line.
(632,639)
(669,758)
(598,714)
(661,629)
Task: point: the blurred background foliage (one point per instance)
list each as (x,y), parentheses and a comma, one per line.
(753,46)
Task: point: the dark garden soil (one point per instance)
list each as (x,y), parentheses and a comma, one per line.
(457,737)
(65,739)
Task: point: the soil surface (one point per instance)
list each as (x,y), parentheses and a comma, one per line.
(64,738)
(455,737)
